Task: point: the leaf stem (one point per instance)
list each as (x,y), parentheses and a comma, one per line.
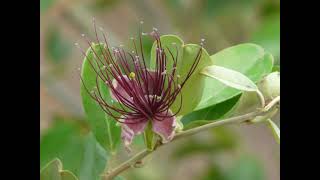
(272,103)
(237,119)
(261,98)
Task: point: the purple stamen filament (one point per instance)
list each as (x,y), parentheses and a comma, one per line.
(151,92)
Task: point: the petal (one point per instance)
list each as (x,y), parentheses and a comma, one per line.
(148,80)
(151,82)
(151,76)
(131,127)
(118,88)
(165,128)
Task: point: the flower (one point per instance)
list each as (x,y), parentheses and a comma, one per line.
(141,95)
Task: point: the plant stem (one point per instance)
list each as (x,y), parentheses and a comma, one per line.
(217,123)
(126,165)
(139,156)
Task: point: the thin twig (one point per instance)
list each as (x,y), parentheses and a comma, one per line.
(126,165)
(139,156)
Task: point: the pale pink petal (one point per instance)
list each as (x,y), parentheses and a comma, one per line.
(131,127)
(151,77)
(165,128)
(119,89)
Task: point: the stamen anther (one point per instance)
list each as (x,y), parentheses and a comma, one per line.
(132,75)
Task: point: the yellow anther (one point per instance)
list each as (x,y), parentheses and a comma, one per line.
(132,75)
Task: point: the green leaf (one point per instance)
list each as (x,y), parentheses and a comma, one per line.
(276,68)
(77,149)
(171,42)
(113,130)
(230,78)
(59,141)
(275,130)
(196,123)
(248,59)
(248,102)
(209,114)
(103,127)
(67,175)
(193,89)
(269,87)
(93,160)
(53,171)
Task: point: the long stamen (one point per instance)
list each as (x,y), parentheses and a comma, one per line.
(151,93)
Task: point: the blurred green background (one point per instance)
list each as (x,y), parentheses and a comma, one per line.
(242,152)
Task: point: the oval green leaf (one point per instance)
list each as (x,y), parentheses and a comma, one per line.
(77,149)
(209,114)
(248,59)
(193,89)
(67,175)
(51,170)
(174,44)
(230,78)
(104,128)
(186,53)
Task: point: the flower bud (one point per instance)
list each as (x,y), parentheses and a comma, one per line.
(270,86)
